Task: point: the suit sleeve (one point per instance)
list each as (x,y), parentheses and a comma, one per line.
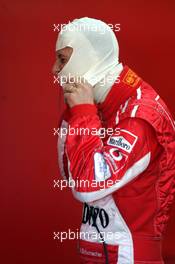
(101,164)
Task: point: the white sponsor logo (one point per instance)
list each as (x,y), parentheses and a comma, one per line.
(121,142)
(112,151)
(102,171)
(91,253)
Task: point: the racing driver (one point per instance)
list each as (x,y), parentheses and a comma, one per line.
(126,154)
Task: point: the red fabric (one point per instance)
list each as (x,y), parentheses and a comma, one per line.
(118,94)
(94,252)
(84,109)
(147,248)
(143,126)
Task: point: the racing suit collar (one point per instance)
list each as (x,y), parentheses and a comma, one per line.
(129,81)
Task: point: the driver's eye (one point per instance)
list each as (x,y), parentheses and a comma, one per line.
(63,60)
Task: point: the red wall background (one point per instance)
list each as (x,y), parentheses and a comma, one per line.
(31,209)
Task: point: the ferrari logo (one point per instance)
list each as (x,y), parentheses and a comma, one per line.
(131,78)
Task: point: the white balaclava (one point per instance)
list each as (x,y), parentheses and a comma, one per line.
(95,55)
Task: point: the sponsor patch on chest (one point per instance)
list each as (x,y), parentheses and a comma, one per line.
(125,141)
(102,171)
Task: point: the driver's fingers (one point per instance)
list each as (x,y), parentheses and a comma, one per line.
(69,88)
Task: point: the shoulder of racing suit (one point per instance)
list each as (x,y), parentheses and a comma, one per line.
(115,160)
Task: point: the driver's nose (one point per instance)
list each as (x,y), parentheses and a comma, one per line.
(56,68)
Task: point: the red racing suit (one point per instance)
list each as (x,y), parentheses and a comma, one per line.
(123,169)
